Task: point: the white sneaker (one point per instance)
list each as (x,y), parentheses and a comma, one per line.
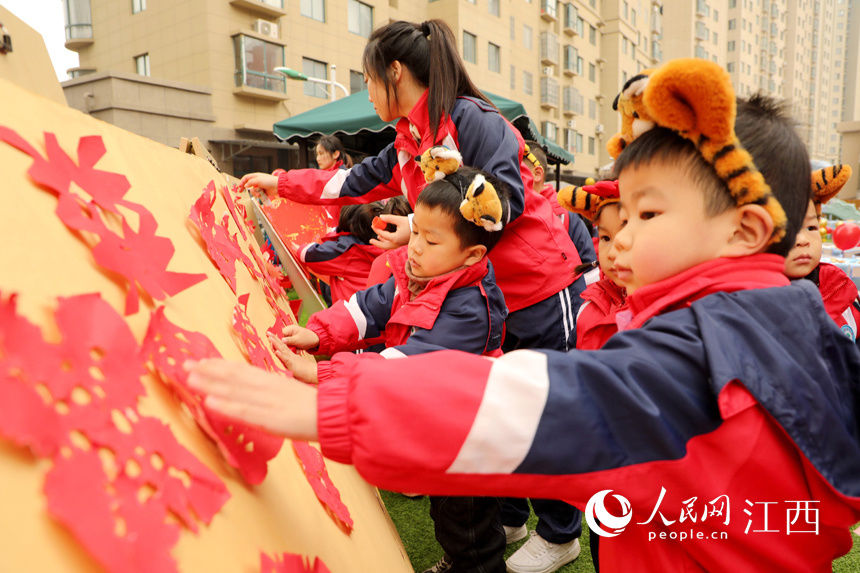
(537,555)
(513,534)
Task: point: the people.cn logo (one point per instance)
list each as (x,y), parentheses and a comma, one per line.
(601,521)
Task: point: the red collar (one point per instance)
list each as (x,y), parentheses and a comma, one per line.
(414,312)
(719,275)
(336,166)
(605,294)
(419,118)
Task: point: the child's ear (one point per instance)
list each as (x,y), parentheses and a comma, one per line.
(476,253)
(752,232)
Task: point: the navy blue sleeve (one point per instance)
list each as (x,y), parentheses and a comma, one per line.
(328,250)
(375,304)
(488,143)
(462,324)
(581,238)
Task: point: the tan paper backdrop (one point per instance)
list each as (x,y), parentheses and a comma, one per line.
(41,260)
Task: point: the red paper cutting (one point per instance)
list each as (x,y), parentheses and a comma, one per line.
(117,479)
(315,471)
(297,224)
(227,194)
(255,350)
(168,346)
(222,248)
(291,563)
(140,257)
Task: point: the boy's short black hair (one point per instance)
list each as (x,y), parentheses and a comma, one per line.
(767,132)
(447,194)
(538,152)
(358,220)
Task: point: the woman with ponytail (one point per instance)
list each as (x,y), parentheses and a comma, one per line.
(414,73)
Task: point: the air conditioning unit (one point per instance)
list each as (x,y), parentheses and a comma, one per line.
(547,70)
(266,28)
(571,123)
(598,129)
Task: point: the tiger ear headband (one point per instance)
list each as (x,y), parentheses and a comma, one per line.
(481,203)
(588,200)
(695,99)
(827,183)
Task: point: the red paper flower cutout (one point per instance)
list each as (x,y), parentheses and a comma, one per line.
(139,257)
(168,346)
(291,563)
(223,249)
(227,194)
(255,350)
(118,478)
(315,471)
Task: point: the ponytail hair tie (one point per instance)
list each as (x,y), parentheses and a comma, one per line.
(425,29)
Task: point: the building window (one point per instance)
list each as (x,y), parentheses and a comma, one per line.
(527,37)
(80,72)
(591,146)
(625,8)
(513,78)
(592,73)
(592,109)
(138,6)
(732,24)
(493,6)
(79,22)
(360,18)
(314,9)
(549,130)
(527,83)
(244,164)
(513,28)
(716,15)
(141,64)
(592,35)
(315,69)
(730,67)
(256,61)
(356,82)
(570,56)
(731,45)
(549,7)
(494,57)
(570,16)
(578,143)
(633,17)
(470,47)
(624,46)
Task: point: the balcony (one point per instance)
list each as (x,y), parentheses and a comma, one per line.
(549,10)
(269,8)
(79,23)
(549,49)
(548,93)
(78,36)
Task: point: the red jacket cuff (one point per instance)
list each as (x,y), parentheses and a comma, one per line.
(326,342)
(333,414)
(282,184)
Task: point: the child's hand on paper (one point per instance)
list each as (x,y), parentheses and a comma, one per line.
(304,368)
(250,395)
(299,337)
(264,181)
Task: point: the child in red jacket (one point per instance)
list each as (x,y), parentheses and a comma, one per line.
(838,291)
(442,296)
(720,431)
(605,297)
(345,257)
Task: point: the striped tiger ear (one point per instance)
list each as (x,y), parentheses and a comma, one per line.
(694,97)
(827,182)
(589,199)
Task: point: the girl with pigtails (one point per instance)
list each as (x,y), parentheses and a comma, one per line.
(414,73)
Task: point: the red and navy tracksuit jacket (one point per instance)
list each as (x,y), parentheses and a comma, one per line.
(576,229)
(342,257)
(595,321)
(534,258)
(462,310)
(840,297)
(737,387)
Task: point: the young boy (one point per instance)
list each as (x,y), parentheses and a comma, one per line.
(838,291)
(442,296)
(606,296)
(723,420)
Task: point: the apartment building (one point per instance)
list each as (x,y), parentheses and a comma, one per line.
(206,67)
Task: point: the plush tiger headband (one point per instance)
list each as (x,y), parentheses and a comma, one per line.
(588,200)
(827,183)
(481,203)
(695,99)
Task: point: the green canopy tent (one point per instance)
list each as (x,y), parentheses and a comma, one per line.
(354,121)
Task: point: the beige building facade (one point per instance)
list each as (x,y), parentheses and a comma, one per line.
(208,65)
